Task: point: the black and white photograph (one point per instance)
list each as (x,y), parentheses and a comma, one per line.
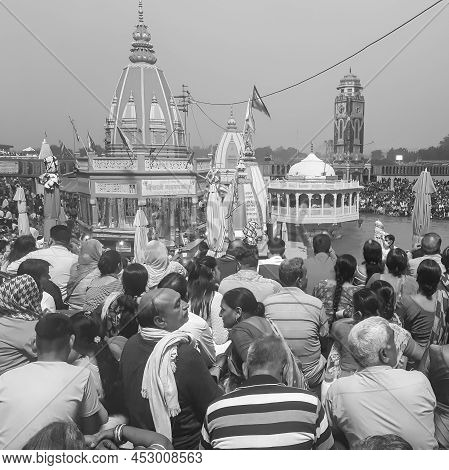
(224,225)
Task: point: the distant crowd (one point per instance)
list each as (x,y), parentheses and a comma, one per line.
(379,198)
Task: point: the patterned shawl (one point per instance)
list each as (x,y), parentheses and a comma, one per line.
(20,298)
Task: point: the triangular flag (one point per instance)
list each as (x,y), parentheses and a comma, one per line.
(125,140)
(91,143)
(258,104)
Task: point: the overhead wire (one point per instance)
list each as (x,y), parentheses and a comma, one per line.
(336,64)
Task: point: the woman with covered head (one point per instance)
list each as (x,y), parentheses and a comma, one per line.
(84,272)
(20,309)
(158,264)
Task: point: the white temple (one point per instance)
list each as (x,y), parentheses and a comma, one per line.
(312,196)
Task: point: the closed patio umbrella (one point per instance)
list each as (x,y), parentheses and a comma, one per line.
(22,222)
(215,217)
(423,189)
(141,236)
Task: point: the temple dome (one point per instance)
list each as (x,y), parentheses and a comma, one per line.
(230,148)
(143,94)
(311,167)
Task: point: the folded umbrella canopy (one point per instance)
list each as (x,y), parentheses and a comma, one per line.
(215,217)
(141,236)
(22,222)
(423,188)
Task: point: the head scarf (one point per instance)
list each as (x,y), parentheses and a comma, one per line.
(158,264)
(20,298)
(156,261)
(89,255)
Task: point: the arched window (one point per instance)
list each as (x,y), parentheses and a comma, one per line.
(341,129)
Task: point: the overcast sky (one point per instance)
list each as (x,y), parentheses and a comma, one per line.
(220,49)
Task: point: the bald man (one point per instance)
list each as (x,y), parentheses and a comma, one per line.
(161,312)
(228,264)
(431,246)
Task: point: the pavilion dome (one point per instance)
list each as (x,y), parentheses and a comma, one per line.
(311,167)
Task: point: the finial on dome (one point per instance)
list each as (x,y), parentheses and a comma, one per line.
(140,11)
(232,125)
(350,70)
(142,49)
(311,147)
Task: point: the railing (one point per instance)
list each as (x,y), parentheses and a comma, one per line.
(316,185)
(304,212)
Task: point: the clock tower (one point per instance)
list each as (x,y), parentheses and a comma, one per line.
(349,112)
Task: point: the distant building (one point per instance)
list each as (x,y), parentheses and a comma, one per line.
(439,170)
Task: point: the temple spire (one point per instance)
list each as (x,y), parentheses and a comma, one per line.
(142,49)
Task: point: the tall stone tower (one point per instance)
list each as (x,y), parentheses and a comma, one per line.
(349,112)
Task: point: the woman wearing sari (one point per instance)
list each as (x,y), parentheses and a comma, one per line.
(20,309)
(83,273)
(158,264)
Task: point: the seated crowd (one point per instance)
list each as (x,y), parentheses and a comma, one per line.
(224,353)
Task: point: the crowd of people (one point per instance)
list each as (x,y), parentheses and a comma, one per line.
(237,352)
(380,198)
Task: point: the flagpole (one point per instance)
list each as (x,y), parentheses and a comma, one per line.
(78,136)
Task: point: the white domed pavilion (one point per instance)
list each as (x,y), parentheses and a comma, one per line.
(311,167)
(313,196)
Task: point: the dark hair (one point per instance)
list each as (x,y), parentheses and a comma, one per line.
(385,442)
(109,262)
(21,247)
(428,277)
(321,243)
(431,243)
(397,262)
(201,285)
(276,246)
(3,245)
(134,280)
(386,297)
(244,298)
(35,268)
(445,258)
(203,247)
(372,254)
(234,246)
(365,304)
(176,282)
(290,270)
(345,267)
(53,332)
(87,338)
(390,237)
(247,255)
(57,436)
(61,234)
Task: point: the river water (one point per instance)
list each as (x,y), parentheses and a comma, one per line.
(353,237)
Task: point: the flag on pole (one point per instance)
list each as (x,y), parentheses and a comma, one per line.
(125,140)
(74,130)
(90,143)
(62,148)
(258,104)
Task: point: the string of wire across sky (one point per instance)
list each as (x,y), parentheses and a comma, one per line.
(327,69)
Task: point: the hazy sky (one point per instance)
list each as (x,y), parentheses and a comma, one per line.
(220,49)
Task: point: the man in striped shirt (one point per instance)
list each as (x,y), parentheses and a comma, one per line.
(263,413)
